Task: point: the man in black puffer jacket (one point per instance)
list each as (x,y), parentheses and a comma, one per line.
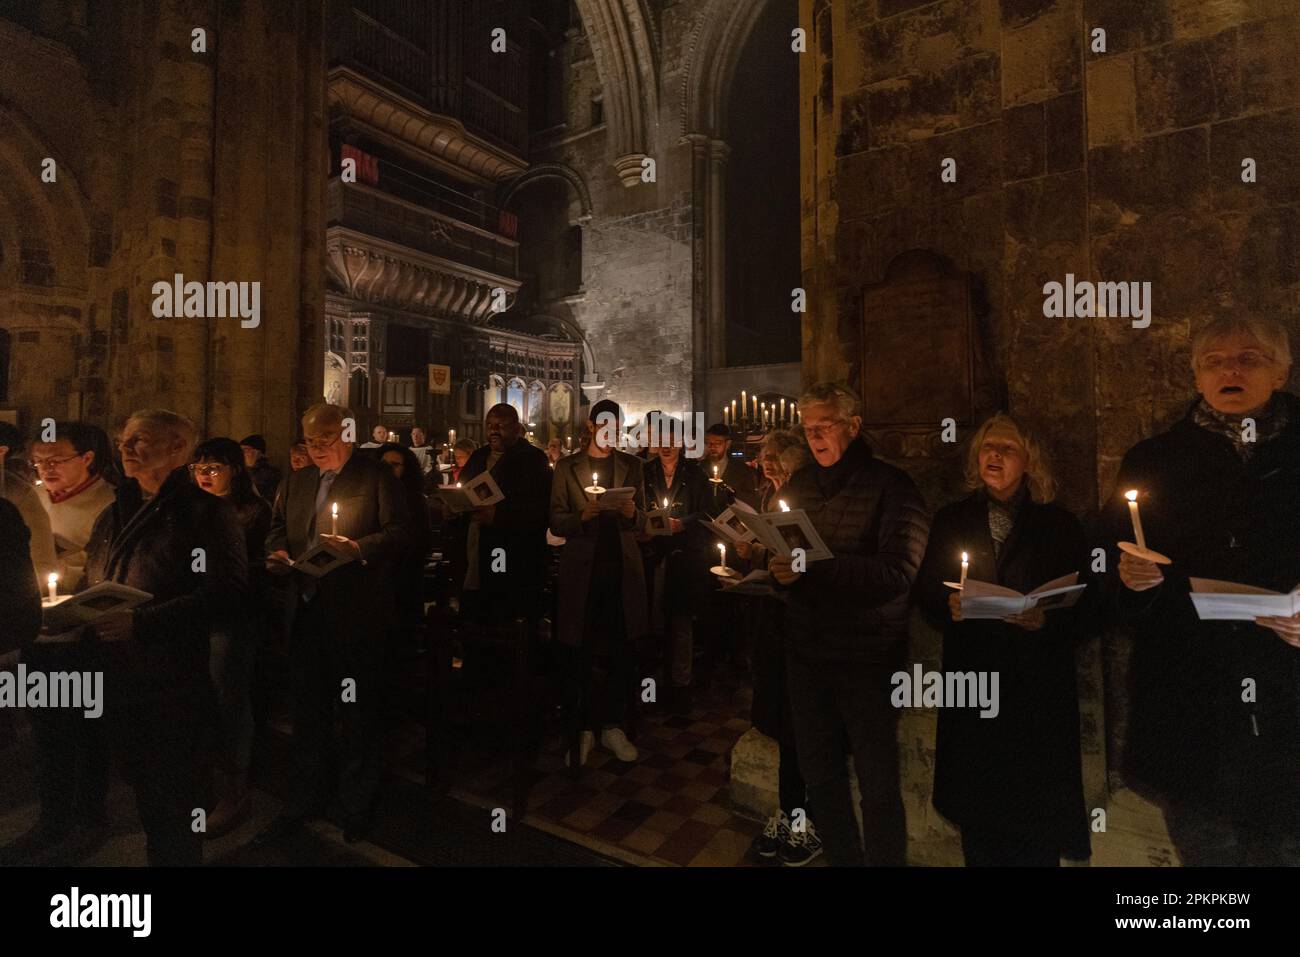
(846,627)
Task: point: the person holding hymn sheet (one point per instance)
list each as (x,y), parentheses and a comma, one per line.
(846,627)
(502,548)
(156,655)
(421,449)
(1214,728)
(378,436)
(1013,782)
(602,600)
(460,453)
(339,621)
(72,751)
(739,481)
(781,454)
(677,565)
(219,469)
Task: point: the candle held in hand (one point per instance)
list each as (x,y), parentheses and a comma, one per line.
(722,554)
(54,588)
(1132,497)
(965,565)
(334,518)
(784,507)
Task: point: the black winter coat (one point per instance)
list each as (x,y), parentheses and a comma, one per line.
(1190,734)
(687,553)
(855,606)
(1019,772)
(20,597)
(150,546)
(519,524)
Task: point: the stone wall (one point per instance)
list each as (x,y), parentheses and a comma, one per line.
(1120,166)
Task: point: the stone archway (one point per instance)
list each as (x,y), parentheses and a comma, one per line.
(544,171)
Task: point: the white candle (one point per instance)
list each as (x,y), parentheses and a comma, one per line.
(722,554)
(1132,497)
(965,565)
(733,411)
(724,415)
(54,587)
(783,410)
(756,407)
(568,441)
(665,504)
(784,507)
(715,473)
(595,480)
(744,402)
(334,518)
(451,436)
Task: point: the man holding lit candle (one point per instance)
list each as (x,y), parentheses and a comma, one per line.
(339,620)
(846,627)
(1215,705)
(602,601)
(736,479)
(1013,783)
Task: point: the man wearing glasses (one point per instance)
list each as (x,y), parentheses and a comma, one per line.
(846,627)
(1214,724)
(340,620)
(73,490)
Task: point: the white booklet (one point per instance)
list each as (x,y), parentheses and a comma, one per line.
(1230,601)
(318,561)
(479,491)
(757,582)
(986,600)
(656,523)
(729,525)
(612,499)
(782,532)
(86,607)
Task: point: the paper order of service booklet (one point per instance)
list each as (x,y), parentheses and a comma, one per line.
(1230,601)
(478,492)
(984,600)
(84,608)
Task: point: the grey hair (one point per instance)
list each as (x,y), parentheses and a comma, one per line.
(788,446)
(844,399)
(172,422)
(1270,334)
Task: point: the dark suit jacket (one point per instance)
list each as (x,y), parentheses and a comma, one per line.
(577,559)
(150,546)
(356,599)
(20,597)
(519,524)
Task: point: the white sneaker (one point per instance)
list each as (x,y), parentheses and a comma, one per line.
(613,739)
(586,741)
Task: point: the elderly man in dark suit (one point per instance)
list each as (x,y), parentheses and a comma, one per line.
(602,579)
(336,652)
(165,536)
(502,547)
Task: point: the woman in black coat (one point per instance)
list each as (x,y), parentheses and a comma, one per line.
(409,571)
(1013,783)
(681,559)
(1214,722)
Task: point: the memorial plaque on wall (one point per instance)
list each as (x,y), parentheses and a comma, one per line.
(917,354)
(439,379)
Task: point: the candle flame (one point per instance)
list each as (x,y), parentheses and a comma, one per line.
(665,503)
(1131,495)
(963,558)
(784,507)
(53,578)
(334,509)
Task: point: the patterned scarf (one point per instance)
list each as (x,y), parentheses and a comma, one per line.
(1002,516)
(1270,422)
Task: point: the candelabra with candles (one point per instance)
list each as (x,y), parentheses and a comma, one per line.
(756,414)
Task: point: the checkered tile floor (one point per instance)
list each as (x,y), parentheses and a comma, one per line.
(671,806)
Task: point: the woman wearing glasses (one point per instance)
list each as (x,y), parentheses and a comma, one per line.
(1214,729)
(218,468)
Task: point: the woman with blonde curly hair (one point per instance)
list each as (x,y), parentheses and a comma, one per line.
(1012,782)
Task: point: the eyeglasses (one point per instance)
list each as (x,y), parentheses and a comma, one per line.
(817,431)
(1245,361)
(39,465)
(324,442)
(207,471)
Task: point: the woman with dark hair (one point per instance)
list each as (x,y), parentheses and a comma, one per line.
(410,567)
(219,469)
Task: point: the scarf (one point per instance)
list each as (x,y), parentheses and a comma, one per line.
(1002,516)
(1270,422)
(57,497)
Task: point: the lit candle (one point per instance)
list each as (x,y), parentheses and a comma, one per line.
(733,411)
(568,441)
(595,480)
(722,555)
(744,402)
(665,504)
(1132,497)
(724,416)
(756,407)
(715,473)
(965,565)
(784,507)
(783,410)
(334,518)
(54,588)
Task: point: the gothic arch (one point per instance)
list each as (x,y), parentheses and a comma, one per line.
(720,36)
(560,171)
(625,48)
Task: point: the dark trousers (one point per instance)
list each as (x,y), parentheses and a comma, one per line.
(159,744)
(72,751)
(335,742)
(603,704)
(834,703)
(983,847)
(792,792)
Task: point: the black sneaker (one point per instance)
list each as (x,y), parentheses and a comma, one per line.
(775,834)
(802,847)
